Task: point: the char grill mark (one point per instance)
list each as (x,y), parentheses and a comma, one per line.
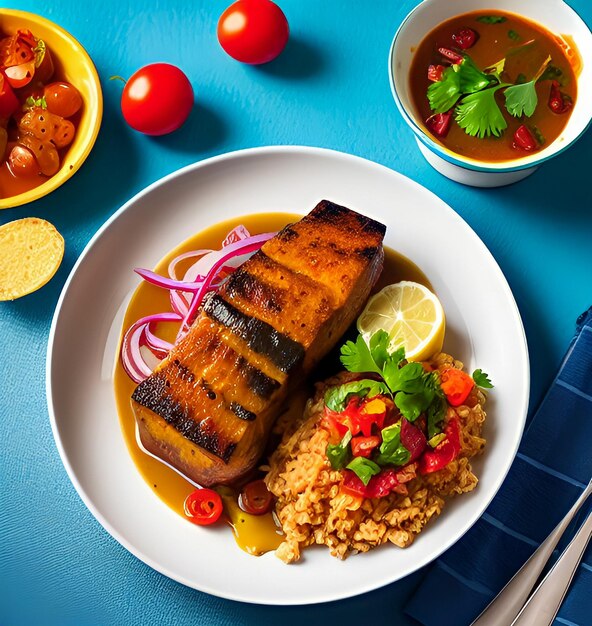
(283,352)
(243,284)
(241,412)
(153,393)
(331,213)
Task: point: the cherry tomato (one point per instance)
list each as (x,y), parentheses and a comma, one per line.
(255,498)
(22,162)
(64,134)
(203,506)
(63,99)
(253,31)
(45,153)
(157,99)
(20,75)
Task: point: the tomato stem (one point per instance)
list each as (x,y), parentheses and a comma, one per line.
(117,77)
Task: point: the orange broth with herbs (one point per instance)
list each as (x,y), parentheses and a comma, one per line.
(526,47)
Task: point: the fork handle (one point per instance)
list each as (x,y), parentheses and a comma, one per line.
(504,608)
(543,605)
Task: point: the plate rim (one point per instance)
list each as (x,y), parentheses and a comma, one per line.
(246,152)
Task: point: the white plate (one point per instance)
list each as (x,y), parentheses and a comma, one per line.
(484,329)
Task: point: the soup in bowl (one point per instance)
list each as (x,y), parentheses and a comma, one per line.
(491,94)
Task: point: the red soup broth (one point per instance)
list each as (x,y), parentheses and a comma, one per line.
(526,47)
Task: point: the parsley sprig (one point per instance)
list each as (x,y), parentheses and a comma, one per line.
(471,92)
(413,390)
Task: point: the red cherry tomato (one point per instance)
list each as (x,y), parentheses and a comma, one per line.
(157,99)
(255,498)
(63,99)
(20,75)
(253,31)
(22,162)
(203,506)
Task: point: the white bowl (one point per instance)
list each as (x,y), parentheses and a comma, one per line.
(555,15)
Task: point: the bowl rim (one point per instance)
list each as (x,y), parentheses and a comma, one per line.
(451,156)
(57,181)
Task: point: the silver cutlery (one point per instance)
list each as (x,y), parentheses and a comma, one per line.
(507,605)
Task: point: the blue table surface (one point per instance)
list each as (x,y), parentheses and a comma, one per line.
(329,88)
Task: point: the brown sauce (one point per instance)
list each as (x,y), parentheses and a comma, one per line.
(493,44)
(254,534)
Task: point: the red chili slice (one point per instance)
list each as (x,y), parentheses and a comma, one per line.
(465,38)
(558,101)
(445,452)
(203,507)
(439,124)
(435,73)
(255,498)
(451,55)
(524,139)
(413,439)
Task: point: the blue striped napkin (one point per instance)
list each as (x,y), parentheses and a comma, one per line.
(553,466)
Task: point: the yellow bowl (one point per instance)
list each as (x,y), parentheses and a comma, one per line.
(73,64)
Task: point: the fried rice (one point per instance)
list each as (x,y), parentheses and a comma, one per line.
(312,508)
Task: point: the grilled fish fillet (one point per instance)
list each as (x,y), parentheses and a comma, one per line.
(209,406)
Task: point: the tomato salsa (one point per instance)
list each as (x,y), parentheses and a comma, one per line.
(493,86)
(38,114)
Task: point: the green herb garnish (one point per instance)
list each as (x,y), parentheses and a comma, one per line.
(31,102)
(392,451)
(521,99)
(492,19)
(480,116)
(538,135)
(436,439)
(412,388)
(482,379)
(339,454)
(513,35)
(435,415)
(363,468)
(337,398)
(552,72)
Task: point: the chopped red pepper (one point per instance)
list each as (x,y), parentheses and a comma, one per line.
(413,439)
(559,102)
(524,140)
(439,124)
(457,385)
(451,55)
(364,446)
(465,38)
(435,72)
(388,481)
(359,416)
(445,452)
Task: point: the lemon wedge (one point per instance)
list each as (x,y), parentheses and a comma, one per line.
(31,251)
(411,315)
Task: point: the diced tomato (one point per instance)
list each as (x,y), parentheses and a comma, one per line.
(445,452)
(465,38)
(388,481)
(333,421)
(413,439)
(439,124)
(8,101)
(435,72)
(558,101)
(364,446)
(359,416)
(524,139)
(457,385)
(451,55)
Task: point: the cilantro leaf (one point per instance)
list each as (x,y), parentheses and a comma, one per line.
(408,378)
(479,115)
(337,398)
(482,379)
(513,35)
(363,468)
(435,415)
(379,347)
(339,454)
(521,99)
(492,19)
(356,357)
(472,79)
(412,405)
(392,451)
(444,93)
